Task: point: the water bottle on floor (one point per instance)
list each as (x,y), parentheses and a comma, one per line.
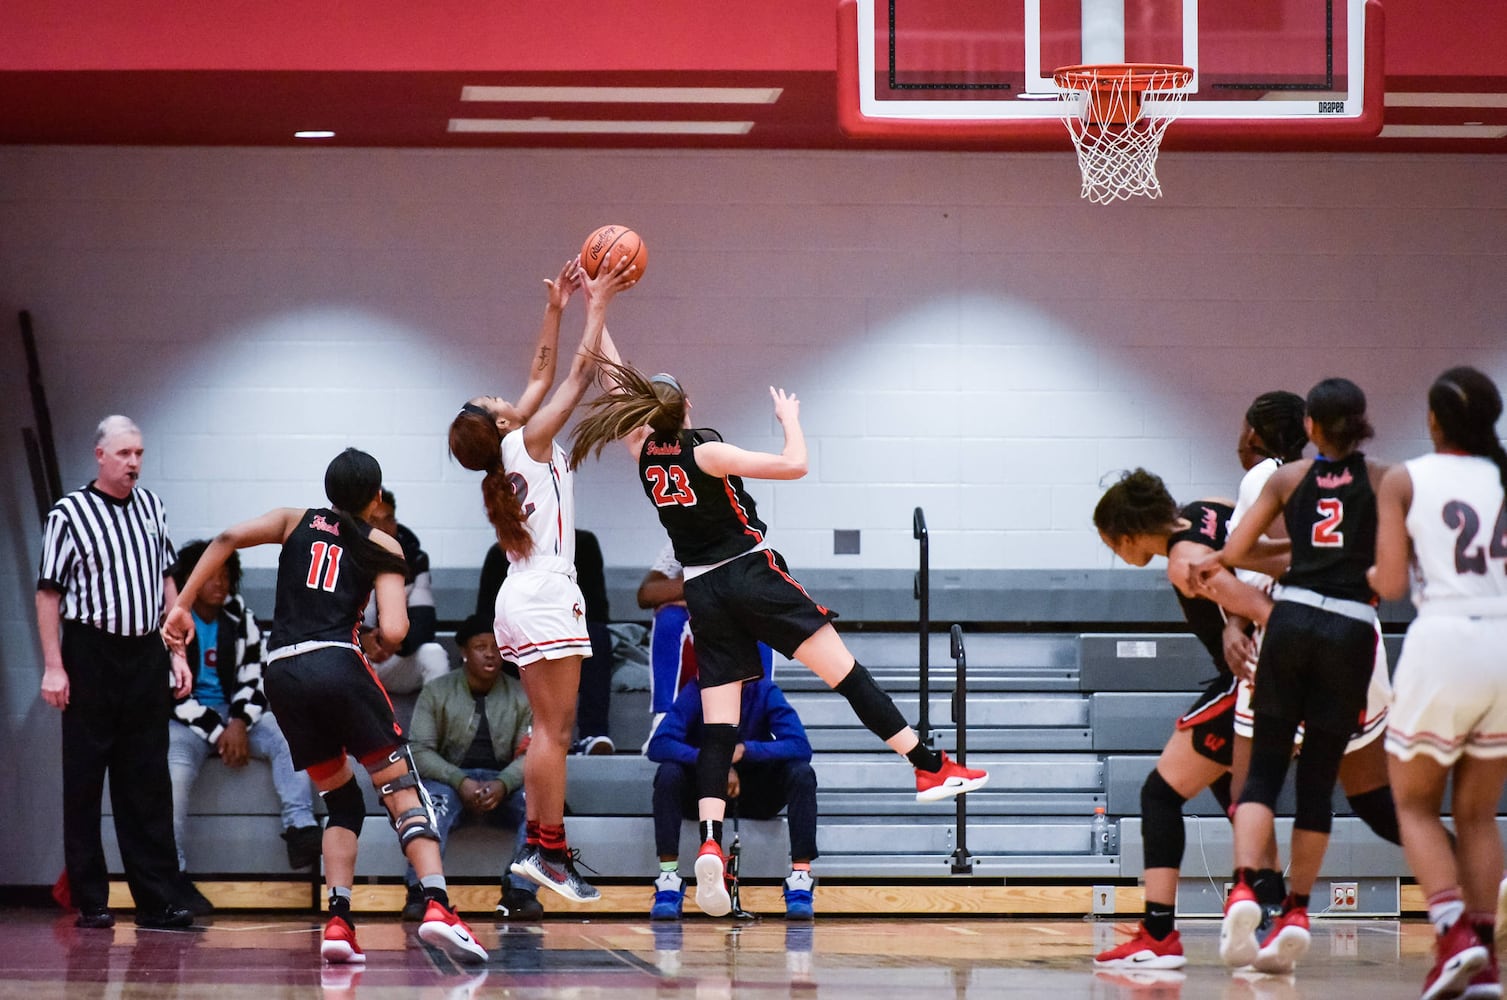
(1100,831)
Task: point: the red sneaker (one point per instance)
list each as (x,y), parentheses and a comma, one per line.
(1284,944)
(1487,984)
(339,944)
(1459,957)
(953,779)
(1237,933)
(449,933)
(1144,952)
(711,881)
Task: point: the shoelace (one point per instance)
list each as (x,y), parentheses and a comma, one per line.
(573,858)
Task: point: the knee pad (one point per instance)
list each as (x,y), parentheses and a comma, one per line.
(716,756)
(1377,810)
(346,807)
(412,823)
(875,709)
(1162,834)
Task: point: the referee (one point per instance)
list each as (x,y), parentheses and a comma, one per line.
(105,561)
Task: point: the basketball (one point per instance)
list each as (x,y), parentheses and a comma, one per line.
(614,242)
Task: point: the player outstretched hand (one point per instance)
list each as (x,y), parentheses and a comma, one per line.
(786,407)
(568,280)
(609,281)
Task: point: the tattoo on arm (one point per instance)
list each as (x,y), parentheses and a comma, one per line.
(543,359)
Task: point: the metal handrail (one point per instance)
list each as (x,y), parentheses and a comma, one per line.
(922,589)
(962,861)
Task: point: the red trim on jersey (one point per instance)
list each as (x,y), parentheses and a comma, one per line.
(769,556)
(371,671)
(532,647)
(748,529)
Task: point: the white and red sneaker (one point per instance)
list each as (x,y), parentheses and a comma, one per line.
(339,944)
(449,933)
(1237,932)
(1459,956)
(1144,952)
(711,881)
(953,779)
(1284,944)
(1487,984)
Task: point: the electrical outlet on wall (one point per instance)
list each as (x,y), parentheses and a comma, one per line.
(1343,897)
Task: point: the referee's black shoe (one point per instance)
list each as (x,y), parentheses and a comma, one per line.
(171,917)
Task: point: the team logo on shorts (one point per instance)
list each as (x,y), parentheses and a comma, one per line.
(575,609)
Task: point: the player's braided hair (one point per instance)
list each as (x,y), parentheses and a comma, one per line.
(1277,419)
(476,444)
(1466,404)
(1138,504)
(631,400)
(1337,406)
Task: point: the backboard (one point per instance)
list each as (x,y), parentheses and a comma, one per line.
(1266,73)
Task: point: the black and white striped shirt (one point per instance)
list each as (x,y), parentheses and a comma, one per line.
(107,557)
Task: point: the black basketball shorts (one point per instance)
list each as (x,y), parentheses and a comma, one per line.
(329,703)
(741,603)
(1212,719)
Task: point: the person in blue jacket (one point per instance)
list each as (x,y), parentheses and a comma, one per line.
(771,771)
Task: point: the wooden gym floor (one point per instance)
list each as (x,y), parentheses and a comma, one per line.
(246,956)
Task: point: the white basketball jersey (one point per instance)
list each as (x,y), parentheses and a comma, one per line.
(1456,525)
(1251,485)
(546,490)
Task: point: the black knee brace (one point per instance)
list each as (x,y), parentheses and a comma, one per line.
(875,709)
(714,760)
(1378,811)
(346,807)
(1162,837)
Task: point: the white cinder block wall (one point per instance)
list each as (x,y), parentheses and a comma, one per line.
(965,334)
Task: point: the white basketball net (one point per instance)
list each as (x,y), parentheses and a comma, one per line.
(1118,160)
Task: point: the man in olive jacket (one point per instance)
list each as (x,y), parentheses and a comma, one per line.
(469,733)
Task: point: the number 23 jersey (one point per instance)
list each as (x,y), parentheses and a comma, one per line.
(708,518)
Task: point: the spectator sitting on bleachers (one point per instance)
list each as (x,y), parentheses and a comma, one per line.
(672,655)
(226,714)
(420,659)
(771,770)
(469,734)
(594,701)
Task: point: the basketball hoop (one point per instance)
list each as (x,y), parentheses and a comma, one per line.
(1117,143)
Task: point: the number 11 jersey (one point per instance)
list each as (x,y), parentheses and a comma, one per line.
(321,592)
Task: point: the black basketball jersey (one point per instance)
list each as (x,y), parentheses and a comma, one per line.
(1208,525)
(708,518)
(321,592)
(1331,518)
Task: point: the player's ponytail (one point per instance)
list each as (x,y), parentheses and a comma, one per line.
(351,481)
(1337,406)
(632,400)
(1466,405)
(1138,504)
(476,444)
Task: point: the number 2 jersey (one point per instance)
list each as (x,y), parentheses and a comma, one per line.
(708,518)
(1459,530)
(546,492)
(1331,519)
(321,592)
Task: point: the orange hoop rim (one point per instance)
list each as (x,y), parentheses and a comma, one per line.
(1137,76)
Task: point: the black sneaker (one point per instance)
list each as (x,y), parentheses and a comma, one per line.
(194,900)
(305,844)
(519,904)
(95,919)
(169,918)
(413,907)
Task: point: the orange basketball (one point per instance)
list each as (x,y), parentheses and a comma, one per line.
(613,243)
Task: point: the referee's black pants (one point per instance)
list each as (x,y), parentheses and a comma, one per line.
(116,721)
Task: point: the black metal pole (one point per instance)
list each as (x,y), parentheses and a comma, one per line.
(923,594)
(962,861)
(39,408)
